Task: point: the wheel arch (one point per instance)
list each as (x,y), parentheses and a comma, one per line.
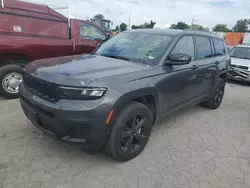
(18,59)
(223,75)
(147,96)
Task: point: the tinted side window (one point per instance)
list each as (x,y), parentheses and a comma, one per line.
(203,48)
(185,45)
(219,47)
(90,32)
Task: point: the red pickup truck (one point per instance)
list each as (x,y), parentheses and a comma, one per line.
(30,31)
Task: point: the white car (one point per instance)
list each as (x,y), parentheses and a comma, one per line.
(240,63)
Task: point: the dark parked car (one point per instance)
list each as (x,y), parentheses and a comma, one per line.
(110,99)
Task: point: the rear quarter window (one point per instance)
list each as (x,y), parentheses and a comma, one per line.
(203,47)
(219,47)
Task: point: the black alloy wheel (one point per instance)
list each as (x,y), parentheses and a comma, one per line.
(219,93)
(216,97)
(130,132)
(134,134)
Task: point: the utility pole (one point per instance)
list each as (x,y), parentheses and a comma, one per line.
(129,20)
(192,22)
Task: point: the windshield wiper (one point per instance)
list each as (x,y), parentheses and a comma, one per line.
(117,57)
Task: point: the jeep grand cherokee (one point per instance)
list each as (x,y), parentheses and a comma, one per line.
(111,98)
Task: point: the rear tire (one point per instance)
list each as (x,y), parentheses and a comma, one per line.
(216,97)
(130,132)
(7,73)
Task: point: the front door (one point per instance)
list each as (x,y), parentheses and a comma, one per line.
(178,87)
(89,37)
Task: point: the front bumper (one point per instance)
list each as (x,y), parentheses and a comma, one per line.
(239,75)
(73,121)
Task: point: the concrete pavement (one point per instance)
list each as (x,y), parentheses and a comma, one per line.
(196,148)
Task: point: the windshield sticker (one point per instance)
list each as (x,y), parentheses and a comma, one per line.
(148,54)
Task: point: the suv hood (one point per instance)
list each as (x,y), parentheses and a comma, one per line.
(81,70)
(240,62)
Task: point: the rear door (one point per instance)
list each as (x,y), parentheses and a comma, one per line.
(222,60)
(205,62)
(88,37)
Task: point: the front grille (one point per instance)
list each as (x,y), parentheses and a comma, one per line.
(44,89)
(240,67)
(239,74)
(38,108)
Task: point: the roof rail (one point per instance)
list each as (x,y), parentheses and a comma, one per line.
(204,31)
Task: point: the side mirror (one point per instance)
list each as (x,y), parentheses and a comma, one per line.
(179,58)
(98,39)
(96,48)
(108,36)
(98,45)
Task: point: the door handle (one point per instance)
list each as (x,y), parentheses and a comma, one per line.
(85,45)
(217,63)
(194,67)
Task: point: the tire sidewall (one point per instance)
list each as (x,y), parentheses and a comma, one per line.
(212,100)
(115,135)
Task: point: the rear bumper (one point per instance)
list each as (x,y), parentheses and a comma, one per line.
(239,75)
(74,122)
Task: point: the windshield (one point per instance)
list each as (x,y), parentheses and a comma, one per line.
(240,52)
(105,25)
(134,46)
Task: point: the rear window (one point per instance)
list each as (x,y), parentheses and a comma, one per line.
(89,32)
(203,47)
(219,47)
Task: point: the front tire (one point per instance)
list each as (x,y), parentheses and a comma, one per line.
(10,79)
(216,97)
(130,132)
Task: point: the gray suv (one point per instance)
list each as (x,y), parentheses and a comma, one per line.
(110,99)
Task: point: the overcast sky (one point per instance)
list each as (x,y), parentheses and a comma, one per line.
(164,12)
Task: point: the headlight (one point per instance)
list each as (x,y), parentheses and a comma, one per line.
(89,93)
